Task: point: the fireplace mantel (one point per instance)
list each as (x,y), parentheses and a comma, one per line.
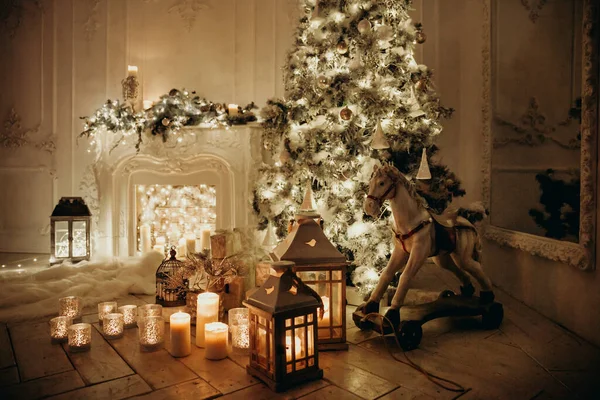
(224,158)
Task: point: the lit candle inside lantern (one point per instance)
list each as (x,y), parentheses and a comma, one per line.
(216,341)
(182,248)
(207,311)
(70,306)
(190,241)
(129,315)
(233,110)
(288,347)
(181,339)
(132,70)
(106,308)
(205,240)
(112,325)
(326,318)
(151,332)
(145,239)
(147,104)
(59,328)
(80,337)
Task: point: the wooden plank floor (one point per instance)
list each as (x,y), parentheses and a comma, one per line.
(529,357)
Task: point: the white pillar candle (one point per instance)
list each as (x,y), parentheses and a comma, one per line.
(112,325)
(288,348)
(181,338)
(205,239)
(80,337)
(181,248)
(216,341)
(70,306)
(325,322)
(160,240)
(59,328)
(159,248)
(129,315)
(233,110)
(132,70)
(190,242)
(207,311)
(106,308)
(145,239)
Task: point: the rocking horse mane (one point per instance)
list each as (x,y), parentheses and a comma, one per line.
(399,177)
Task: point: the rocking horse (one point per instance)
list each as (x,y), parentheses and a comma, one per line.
(450,240)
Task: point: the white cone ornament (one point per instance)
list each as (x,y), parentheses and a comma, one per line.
(270,239)
(309,201)
(424,172)
(379,141)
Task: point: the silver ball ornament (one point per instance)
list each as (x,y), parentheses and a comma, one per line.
(364,26)
(323,82)
(385,33)
(342,47)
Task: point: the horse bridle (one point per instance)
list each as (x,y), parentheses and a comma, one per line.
(382,198)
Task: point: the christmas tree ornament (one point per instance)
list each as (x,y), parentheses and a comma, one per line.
(364,26)
(421,85)
(323,82)
(346,114)
(166,121)
(421,37)
(385,33)
(284,154)
(424,172)
(309,201)
(342,47)
(270,239)
(379,141)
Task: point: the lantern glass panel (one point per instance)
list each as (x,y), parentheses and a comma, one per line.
(79,239)
(61,235)
(311,341)
(262,342)
(336,309)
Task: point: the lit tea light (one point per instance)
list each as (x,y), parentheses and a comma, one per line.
(151,333)
(106,308)
(216,341)
(288,347)
(80,337)
(70,306)
(59,329)
(129,315)
(112,325)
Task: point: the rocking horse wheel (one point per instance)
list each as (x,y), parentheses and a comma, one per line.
(492,317)
(446,294)
(409,335)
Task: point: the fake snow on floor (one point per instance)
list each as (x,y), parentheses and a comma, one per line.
(35,293)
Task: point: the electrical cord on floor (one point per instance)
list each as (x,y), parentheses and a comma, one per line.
(435,379)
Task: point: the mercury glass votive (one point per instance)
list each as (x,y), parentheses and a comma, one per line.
(149,310)
(239,329)
(151,332)
(106,308)
(112,325)
(129,315)
(59,329)
(80,337)
(70,306)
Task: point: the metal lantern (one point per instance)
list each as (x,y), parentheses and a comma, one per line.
(283,330)
(70,231)
(322,267)
(171,282)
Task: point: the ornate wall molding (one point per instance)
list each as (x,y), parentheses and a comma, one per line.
(13,12)
(91,24)
(188,10)
(534,7)
(581,255)
(13,136)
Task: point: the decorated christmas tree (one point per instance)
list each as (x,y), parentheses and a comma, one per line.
(356,97)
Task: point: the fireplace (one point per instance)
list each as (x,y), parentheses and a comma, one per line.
(216,164)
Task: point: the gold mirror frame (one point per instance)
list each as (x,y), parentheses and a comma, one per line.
(582,254)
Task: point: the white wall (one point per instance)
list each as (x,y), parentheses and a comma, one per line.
(68,56)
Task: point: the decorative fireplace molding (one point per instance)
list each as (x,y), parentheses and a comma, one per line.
(226,159)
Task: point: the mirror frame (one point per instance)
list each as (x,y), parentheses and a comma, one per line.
(581,254)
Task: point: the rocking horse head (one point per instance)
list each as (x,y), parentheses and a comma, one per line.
(382,186)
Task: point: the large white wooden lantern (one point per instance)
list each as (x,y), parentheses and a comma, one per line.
(70,231)
(322,267)
(283,316)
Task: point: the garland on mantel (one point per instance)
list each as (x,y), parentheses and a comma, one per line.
(167,116)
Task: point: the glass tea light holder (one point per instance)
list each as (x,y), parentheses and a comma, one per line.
(70,306)
(239,329)
(112,325)
(80,337)
(148,310)
(151,333)
(216,340)
(180,334)
(59,328)
(129,316)
(106,308)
